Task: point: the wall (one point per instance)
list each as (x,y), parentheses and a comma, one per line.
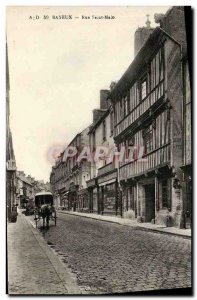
(174,88)
(174,24)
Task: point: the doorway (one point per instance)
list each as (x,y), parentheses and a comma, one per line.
(149,202)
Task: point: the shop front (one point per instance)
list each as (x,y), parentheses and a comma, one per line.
(83,203)
(93,195)
(73,197)
(108,191)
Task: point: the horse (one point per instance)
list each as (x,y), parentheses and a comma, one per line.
(45,213)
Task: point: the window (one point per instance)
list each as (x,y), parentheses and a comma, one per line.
(104,131)
(131,151)
(125,107)
(143,89)
(148,138)
(157,68)
(132,141)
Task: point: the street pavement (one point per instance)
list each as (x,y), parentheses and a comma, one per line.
(128,222)
(111,258)
(33,268)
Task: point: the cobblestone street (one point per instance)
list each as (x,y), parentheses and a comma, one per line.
(33,269)
(110,258)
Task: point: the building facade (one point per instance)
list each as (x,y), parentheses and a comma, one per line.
(146,118)
(10,157)
(103,185)
(25,190)
(27,187)
(173,22)
(148,105)
(68,177)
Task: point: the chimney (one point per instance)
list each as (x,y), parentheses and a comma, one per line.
(97,113)
(21,173)
(103,99)
(112,85)
(30,178)
(173,22)
(141,36)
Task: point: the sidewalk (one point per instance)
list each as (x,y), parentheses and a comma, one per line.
(133,223)
(33,267)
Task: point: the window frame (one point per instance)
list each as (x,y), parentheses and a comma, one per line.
(141,81)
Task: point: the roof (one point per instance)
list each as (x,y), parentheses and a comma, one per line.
(24,179)
(144,55)
(43,193)
(104,115)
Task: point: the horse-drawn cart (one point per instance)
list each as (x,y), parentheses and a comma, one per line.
(44,209)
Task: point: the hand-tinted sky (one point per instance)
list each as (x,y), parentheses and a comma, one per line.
(57,68)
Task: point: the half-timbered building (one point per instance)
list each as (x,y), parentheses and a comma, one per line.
(147,103)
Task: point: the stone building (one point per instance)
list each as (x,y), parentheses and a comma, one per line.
(10,157)
(68,177)
(148,106)
(25,189)
(103,185)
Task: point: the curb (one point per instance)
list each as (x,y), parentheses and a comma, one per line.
(61,269)
(129,225)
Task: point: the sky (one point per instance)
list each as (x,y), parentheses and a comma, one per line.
(57,68)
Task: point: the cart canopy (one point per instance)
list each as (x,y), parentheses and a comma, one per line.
(43,198)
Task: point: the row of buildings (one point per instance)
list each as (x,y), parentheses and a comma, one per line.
(149,108)
(20,189)
(26,187)
(10,157)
